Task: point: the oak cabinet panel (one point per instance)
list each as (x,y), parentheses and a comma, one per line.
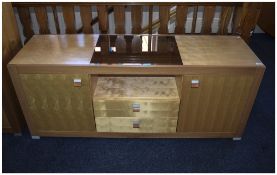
(56,104)
(217,105)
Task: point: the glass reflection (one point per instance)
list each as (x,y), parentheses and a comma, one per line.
(136,49)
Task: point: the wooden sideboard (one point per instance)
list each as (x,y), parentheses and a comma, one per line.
(228,72)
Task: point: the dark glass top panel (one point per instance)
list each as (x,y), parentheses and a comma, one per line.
(136,49)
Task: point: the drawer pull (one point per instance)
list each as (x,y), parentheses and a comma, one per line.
(136,124)
(136,107)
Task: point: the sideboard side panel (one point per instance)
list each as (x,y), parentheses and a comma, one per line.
(251,99)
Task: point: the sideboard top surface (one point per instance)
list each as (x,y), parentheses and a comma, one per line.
(195,50)
(57,49)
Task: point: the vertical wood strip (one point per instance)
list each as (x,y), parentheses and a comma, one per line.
(224,20)
(55,12)
(69,19)
(86,16)
(164,18)
(197,93)
(136,19)
(225,109)
(208,17)
(250,20)
(251,99)
(193,25)
(182,125)
(103,18)
(203,117)
(239,18)
(42,19)
(150,19)
(215,118)
(181,18)
(22,99)
(240,98)
(236,19)
(25,18)
(11,44)
(248,82)
(119,19)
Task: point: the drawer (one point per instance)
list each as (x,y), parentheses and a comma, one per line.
(142,124)
(164,105)
(130,113)
(136,88)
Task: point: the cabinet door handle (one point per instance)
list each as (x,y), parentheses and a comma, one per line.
(77,82)
(195,83)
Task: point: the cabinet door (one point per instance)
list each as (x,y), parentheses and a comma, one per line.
(217,105)
(55,104)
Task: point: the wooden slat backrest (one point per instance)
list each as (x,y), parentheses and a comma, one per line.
(208,17)
(250,19)
(226,13)
(181,18)
(243,18)
(164,18)
(86,17)
(103,18)
(136,15)
(41,15)
(69,19)
(25,18)
(150,19)
(193,25)
(119,19)
(57,26)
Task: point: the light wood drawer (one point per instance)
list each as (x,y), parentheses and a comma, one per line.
(146,124)
(164,105)
(130,113)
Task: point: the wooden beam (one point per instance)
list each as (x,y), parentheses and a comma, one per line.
(11,44)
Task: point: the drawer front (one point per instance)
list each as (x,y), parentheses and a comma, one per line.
(136,125)
(130,113)
(165,105)
(119,88)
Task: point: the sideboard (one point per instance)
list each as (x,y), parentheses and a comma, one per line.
(213,86)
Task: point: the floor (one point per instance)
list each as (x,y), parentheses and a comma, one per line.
(254,153)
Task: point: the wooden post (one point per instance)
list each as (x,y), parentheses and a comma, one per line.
(248,23)
(11,44)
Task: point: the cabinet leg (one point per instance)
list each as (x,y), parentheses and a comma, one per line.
(17,134)
(36,137)
(236,138)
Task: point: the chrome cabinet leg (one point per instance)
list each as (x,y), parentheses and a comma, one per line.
(236,138)
(17,134)
(36,137)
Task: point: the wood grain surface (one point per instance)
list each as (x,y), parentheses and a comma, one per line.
(225,66)
(61,49)
(194,50)
(215,51)
(217,105)
(157,98)
(56,105)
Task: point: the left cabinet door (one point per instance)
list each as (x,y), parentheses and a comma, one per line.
(56,104)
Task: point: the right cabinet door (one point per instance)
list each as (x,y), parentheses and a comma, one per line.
(216,106)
